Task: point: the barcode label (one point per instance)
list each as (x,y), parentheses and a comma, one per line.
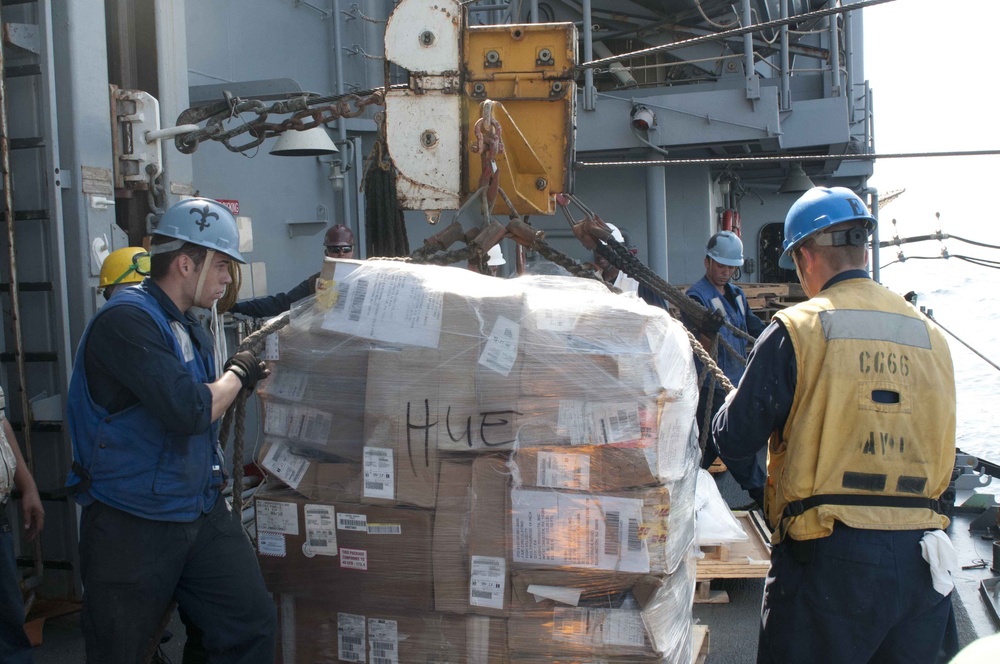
(351,637)
(357,522)
(500,351)
(634,543)
(321,533)
(488,582)
(342,290)
(385,529)
(379,473)
(563,471)
(383,640)
(612,533)
(358,300)
(615,422)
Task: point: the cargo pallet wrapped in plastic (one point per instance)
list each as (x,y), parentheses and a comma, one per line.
(490,470)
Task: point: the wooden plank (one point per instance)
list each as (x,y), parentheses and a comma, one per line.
(749,559)
(699,644)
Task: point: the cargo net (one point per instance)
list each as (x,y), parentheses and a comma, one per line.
(470,469)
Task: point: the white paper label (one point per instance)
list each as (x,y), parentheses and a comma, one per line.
(487,582)
(554,320)
(299,423)
(599,627)
(350,637)
(321,535)
(379,473)
(395,307)
(287,384)
(353,559)
(615,422)
(357,522)
(287,466)
(572,422)
(270,353)
(576,530)
(383,641)
(275,517)
(559,470)
(385,529)
(500,352)
(271,544)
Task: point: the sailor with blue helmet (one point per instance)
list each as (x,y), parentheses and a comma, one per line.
(143,409)
(716,292)
(853,392)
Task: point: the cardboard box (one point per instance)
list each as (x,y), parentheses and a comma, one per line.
(471,550)
(380,554)
(338,629)
(316,392)
(559,614)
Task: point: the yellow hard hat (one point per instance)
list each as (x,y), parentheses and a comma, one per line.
(124,266)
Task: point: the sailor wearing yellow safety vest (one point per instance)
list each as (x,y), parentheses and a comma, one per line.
(854,393)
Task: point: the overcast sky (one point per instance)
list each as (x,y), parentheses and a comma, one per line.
(932,66)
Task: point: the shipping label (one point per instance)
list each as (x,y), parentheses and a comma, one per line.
(271,544)
(287,466)
(276,517)
(270,352)
(599,627)
(488,582)
(575,530)
(383,641)
(558,470)
(299,423)
(500,350)
(350,637)
(380,481)
(287,384)
(321,535)
(394,307)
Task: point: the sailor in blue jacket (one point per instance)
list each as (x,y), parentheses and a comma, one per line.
(715,292)
(143,406)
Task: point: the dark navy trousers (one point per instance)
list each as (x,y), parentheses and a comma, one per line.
(132,567)
(853,597)
(14,645)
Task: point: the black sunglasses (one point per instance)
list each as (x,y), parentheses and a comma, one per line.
(339,249)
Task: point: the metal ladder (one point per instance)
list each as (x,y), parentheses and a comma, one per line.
(36,356)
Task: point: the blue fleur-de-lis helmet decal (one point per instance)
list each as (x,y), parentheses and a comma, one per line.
(206,213)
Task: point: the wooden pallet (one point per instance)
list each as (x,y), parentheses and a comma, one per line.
(699,644)
(749,559)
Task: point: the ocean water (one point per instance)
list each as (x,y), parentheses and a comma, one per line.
(965,299)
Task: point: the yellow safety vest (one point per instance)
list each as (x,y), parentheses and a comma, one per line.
(870,437)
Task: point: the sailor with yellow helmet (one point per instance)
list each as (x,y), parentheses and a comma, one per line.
(123,267)
(853,391)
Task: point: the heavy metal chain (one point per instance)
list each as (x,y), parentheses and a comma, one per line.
(307,113)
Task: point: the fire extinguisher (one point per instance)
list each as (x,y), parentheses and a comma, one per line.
(731,221)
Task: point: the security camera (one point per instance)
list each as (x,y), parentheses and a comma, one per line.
(642,118)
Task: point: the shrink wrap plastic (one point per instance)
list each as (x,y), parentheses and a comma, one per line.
(490,470)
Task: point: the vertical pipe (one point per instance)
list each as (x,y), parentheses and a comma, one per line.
(534,11)
(748,41)
(172,92)
(361,237)
(876,272)
(589,97)
(835,90)
(656,216)
(786,71)
(338,60)
(849,65)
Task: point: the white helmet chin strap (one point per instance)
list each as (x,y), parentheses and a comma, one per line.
(205,268)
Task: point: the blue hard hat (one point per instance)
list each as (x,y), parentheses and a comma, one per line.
(204,222)
(818,209)
(726,248)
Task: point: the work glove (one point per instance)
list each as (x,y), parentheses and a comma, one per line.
(712,323)
(247,368)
